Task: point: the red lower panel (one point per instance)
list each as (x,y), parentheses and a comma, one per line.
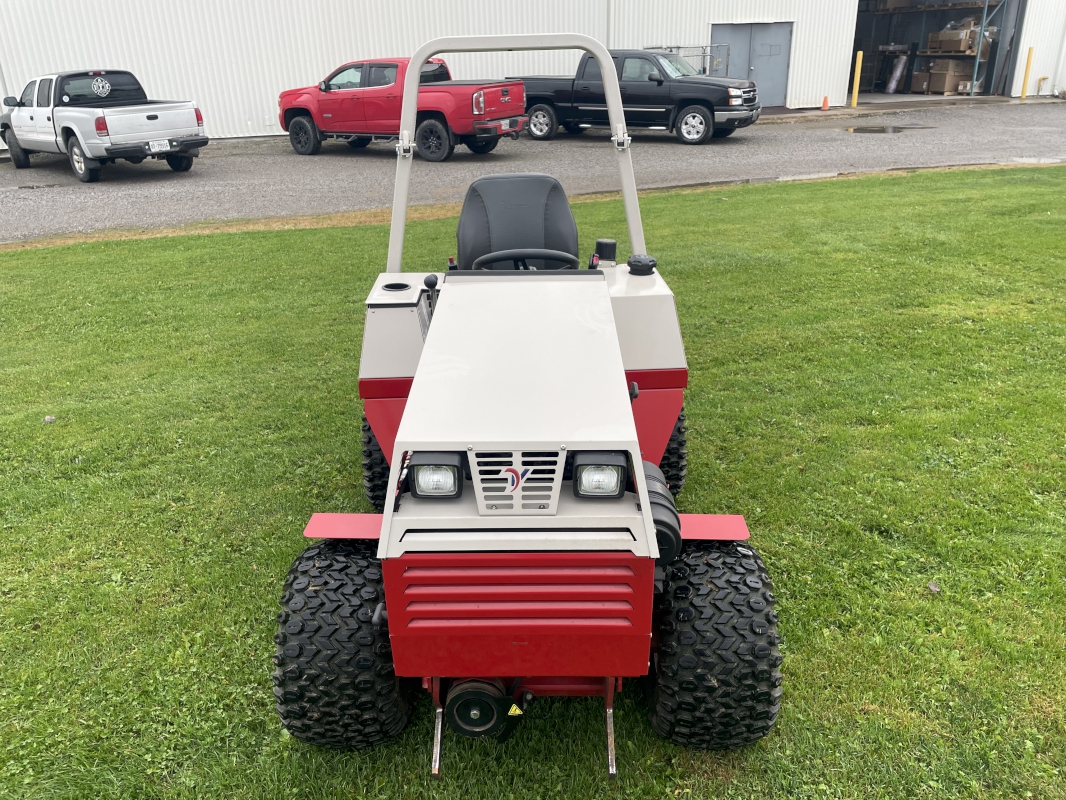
(344,526)
(655,414)
(384,415)
(711,527)
(549,614)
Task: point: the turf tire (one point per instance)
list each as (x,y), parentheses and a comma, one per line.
(675,460)
(375,469)
(19,157)
(433,140)
(333,679)
(543,123)
(717,674)
(304,137)
(694,125)
(484,146)
(179,163)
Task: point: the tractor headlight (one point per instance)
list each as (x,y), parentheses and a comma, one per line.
(600,475)
(436,475)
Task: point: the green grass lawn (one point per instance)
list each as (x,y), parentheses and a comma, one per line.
(878,381)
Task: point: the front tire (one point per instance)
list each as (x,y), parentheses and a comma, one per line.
(433,140)
(179,163)
(718,667)
(334,681)
(78,163)
(543,123)
(19,157)
(694,125)
(484,146)
(375,469)
(303,136)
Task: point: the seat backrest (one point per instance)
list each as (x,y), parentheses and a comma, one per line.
(508,212)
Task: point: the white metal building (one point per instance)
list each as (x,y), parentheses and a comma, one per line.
(234,57)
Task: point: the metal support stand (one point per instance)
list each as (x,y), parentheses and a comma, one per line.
(438,731)
(608,699)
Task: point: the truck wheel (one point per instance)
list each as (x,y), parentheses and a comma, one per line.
(433,141)
(303,136)
(484,146)
(179,163)
(675,460)
(334,680)
(375,470)
(543,124)
(718,667)
(721,133)
(77,162)
(19,157)
(694,125)
(359,142)
(573,128)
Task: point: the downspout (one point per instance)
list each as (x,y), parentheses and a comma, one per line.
(1058,82)
(610,24)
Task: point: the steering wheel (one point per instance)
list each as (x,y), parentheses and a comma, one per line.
(520,256)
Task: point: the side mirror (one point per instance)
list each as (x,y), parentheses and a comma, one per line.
(323,86)
(11,102)
(655,76)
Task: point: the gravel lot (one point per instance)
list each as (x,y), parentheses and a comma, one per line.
(245,179)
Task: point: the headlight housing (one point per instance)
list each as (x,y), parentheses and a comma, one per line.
(600,475)
(736,92)
(436,476)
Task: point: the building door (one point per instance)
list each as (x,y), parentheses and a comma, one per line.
(758,52)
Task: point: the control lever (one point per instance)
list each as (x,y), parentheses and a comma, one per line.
(431,283)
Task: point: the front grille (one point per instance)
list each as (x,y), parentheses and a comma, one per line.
(517,482)
(751,97)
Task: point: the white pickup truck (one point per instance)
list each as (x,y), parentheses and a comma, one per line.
(97,117)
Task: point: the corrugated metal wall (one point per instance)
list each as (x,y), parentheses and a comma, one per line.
(1044,29)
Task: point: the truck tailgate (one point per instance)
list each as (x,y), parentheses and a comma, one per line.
(150,121)
(504,99)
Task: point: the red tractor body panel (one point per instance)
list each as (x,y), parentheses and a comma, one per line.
(534,613)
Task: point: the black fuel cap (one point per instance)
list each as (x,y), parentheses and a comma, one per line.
(641,265)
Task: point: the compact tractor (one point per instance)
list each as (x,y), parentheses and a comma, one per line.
(524,438)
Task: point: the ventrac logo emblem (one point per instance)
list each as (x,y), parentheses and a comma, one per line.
(514,479)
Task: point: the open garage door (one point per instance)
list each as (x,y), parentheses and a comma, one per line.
(758,52)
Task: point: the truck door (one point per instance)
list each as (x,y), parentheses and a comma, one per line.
(22,122)
(45,133)
(341,103)
(646,101)
(590,105)
(381,99)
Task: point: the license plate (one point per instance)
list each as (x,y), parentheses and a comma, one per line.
(505,124)
(159,145)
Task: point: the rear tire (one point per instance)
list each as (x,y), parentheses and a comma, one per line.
(543,123)
(179,163)
(573,129)
(721,133)
(375,470)
(675,460)
(433,140)
(484,146)
(334,680)
(717,678)
(303,136)
(77,158)
(359,142)
(19,157)
(694,125)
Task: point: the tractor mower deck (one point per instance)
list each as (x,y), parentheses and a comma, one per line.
(523,441)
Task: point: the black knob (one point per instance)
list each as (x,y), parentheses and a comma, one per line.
(606,249)
(641,265)
(430,282)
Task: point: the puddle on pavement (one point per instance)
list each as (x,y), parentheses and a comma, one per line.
(889,128)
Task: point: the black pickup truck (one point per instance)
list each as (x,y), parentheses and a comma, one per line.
(660,91)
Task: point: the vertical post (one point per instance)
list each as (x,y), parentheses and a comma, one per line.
(980,47)
(610,23)
(1028,69)
(855,84)
(3,94)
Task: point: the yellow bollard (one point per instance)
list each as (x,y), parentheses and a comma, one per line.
(1025,80)
(858,72)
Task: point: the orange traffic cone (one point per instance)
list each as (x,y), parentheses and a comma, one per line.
(825,103)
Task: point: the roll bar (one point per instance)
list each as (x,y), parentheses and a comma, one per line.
(479,44)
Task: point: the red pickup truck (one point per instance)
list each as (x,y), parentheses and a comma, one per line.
(360,103)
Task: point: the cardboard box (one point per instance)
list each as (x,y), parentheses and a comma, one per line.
(919,83)
(952,66)
(941,82)
(934,41)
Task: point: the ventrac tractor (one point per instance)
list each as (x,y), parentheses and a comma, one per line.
(524,439)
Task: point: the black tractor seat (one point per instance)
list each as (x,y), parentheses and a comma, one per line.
(525,211)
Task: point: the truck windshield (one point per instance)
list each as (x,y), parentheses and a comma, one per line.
(100,88)
(675,66)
